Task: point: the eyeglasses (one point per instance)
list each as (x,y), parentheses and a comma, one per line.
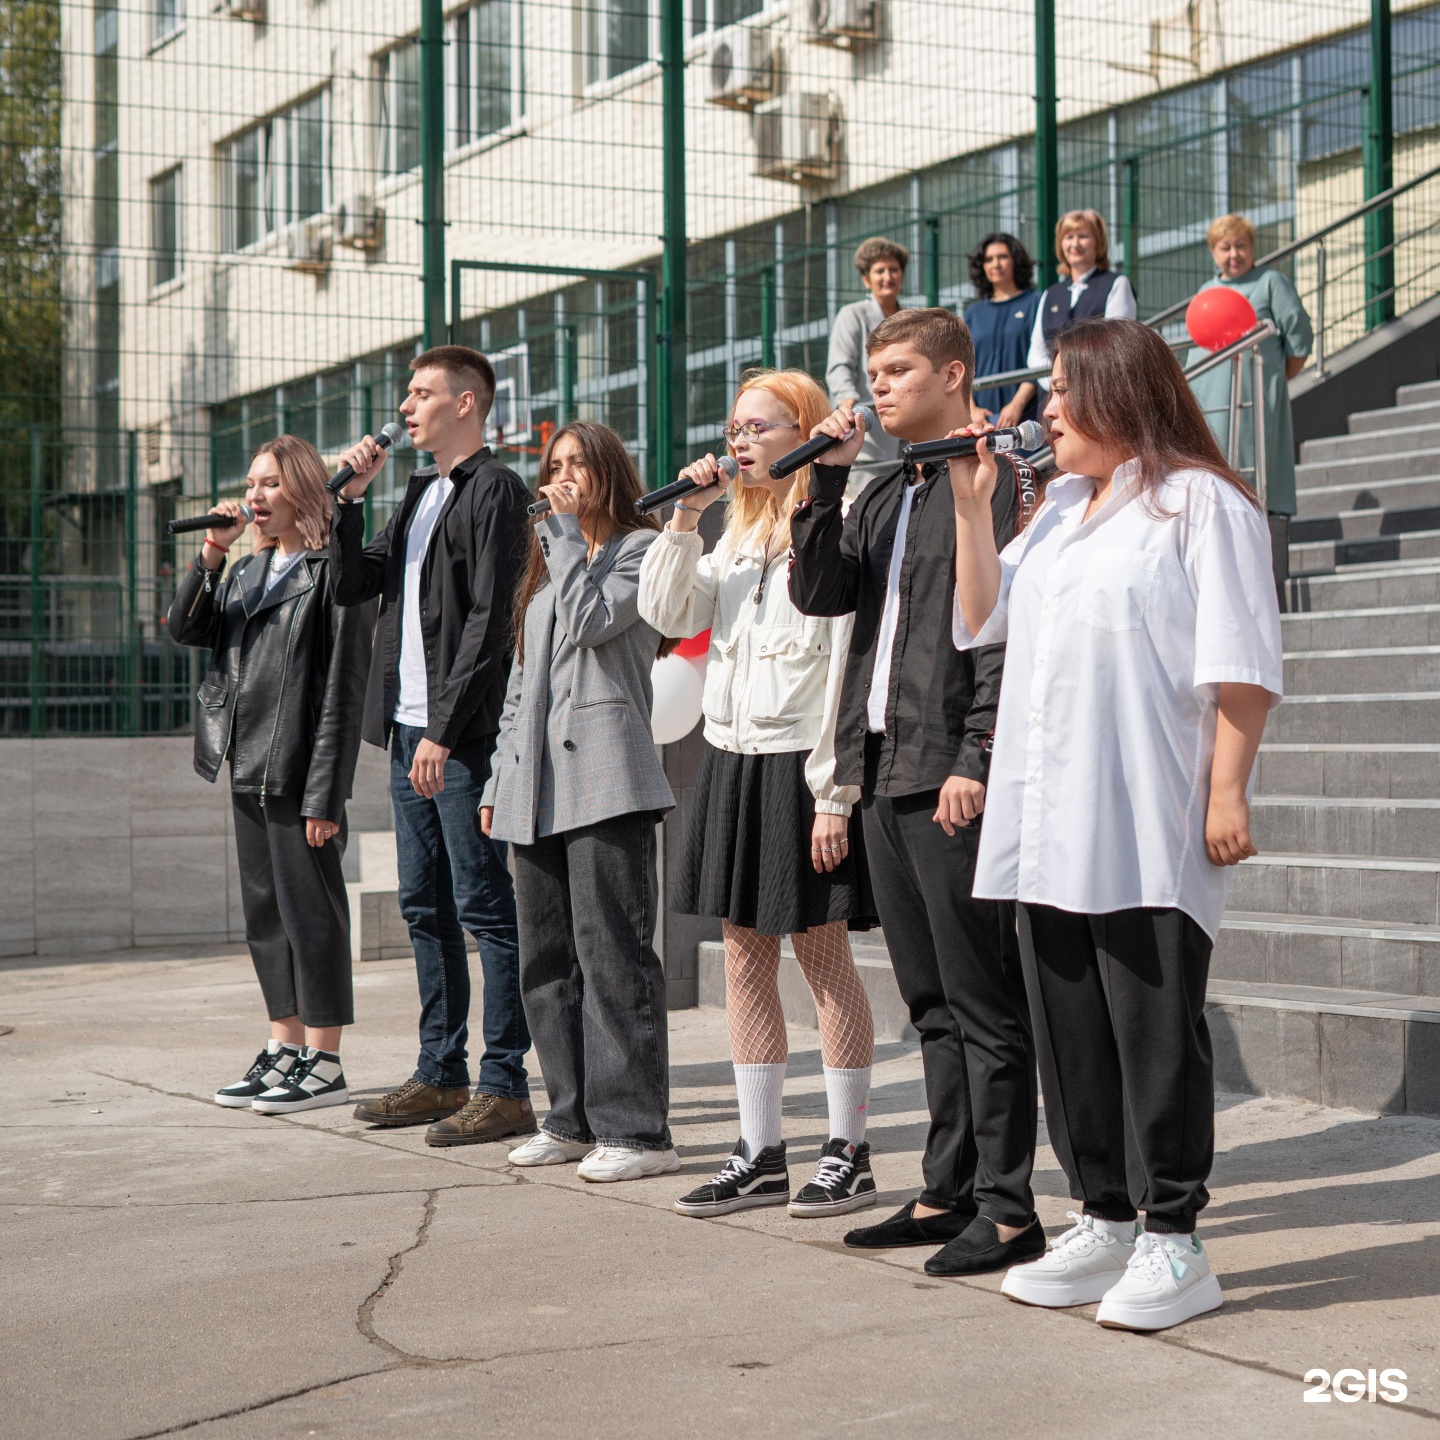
(752,430)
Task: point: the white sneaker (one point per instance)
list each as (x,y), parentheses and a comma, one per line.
(620,1162)
(547,1149)
(1168,1280)
(1080,1267)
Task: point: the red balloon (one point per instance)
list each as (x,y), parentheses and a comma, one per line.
(694,647)
(1218,317)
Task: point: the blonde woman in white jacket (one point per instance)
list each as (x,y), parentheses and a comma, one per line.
(772,847)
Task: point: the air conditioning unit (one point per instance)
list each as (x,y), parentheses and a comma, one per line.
(307,246)
(743,67)
(244,9)
(359,222)
(797,138)
(843,22)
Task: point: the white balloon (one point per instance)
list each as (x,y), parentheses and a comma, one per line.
(679,689)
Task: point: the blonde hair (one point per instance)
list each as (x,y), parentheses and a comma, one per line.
(753,509)
(1094,222)
(1225,227)
(302,482)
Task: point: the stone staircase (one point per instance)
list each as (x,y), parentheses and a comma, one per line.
(1326,978)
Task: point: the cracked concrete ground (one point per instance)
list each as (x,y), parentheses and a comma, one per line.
(170,1267)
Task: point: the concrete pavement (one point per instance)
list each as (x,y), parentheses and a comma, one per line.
(168,1267)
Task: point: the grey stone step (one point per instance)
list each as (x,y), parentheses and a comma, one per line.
(1421,394)
(1398,718)
(1324,556)
(1349,889)
(1366,422)
(1324,496)
(1348,1048)
(1347,825)
(1364,524)
(1339,629)
(1373,668)
(1399,772)
(1412,582)
(1398,437)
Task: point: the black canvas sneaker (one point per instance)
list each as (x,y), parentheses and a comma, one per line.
(316,1081)
(843,1182)
(742,1184)
(271,1067)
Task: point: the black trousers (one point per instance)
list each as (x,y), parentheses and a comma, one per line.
(297,914)
(593,985)
(1118,1003)
(958,968)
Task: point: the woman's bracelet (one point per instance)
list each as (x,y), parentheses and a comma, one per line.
(223,549)
(688,509)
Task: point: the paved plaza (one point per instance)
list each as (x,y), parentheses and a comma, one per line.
(170,1267)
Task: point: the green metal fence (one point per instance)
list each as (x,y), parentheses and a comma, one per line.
(221,221)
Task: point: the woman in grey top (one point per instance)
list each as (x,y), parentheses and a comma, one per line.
(576,788)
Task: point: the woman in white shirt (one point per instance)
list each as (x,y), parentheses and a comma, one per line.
(771,848)
(1143,655)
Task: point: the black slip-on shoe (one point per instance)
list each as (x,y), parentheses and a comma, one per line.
(902,1228)
(979,1250)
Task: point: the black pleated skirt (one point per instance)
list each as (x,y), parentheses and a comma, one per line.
(746,857)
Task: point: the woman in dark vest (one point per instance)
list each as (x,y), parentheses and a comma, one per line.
(1088,289)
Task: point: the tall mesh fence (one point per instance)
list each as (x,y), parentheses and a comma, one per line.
(214,228)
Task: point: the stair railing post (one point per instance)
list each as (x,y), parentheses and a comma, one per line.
(1233,456)
(1257,425)
(1320,307)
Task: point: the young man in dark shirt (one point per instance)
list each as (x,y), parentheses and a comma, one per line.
(914,731)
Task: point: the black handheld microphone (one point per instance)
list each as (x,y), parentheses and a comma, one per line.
(1028,435)
(656,499)
(802,455)
(213,521)
(346,473)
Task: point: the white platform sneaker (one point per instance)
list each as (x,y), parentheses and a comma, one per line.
(619,1162)
(1081,1266)
(544,1148)
(1168,1280)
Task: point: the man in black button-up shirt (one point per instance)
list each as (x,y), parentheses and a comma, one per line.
(914,729)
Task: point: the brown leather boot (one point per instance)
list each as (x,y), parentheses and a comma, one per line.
(485,1118)
(414,1103)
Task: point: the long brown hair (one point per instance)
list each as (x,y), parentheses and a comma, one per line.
(614,488)
(1126,391)
(302,482)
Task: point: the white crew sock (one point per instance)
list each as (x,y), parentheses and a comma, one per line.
(758,1088)
(847,1092)
(1121,1229)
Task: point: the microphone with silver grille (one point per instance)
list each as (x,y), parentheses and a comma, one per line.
(668,494)
(346,473)
(1028,435)
(216,520)
(802,455)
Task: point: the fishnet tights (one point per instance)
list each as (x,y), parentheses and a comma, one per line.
(752,996)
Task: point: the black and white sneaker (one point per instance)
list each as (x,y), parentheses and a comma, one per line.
(316,1081)
(271,1066)
(742,1184)
(843,1182)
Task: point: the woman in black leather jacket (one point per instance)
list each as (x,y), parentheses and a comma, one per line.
(281,701)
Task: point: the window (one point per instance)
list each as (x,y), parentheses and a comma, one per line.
(617,38)
(276,172)
(487,85)
(166,17)
(398,128)
(715,14)
(165,227)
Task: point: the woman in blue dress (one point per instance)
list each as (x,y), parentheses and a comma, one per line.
(1000,322)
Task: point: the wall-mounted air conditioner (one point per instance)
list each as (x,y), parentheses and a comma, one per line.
(843,22)
(244,9)
(359,222)
(797,138)
(743,67)
(307,246)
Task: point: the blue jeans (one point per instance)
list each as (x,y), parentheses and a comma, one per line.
(452,876)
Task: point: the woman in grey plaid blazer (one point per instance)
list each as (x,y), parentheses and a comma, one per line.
(576,787)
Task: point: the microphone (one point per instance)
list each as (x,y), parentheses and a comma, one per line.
(346,473)
(656,499)
(802,455)
(1028,435)
(213,521)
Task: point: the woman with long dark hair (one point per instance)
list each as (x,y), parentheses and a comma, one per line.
(577,789)
(1143,655)
(1000,323)
(281,702)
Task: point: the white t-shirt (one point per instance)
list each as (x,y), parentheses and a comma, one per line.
(889,619)
(413,705)
(280,567)
(1119,631)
